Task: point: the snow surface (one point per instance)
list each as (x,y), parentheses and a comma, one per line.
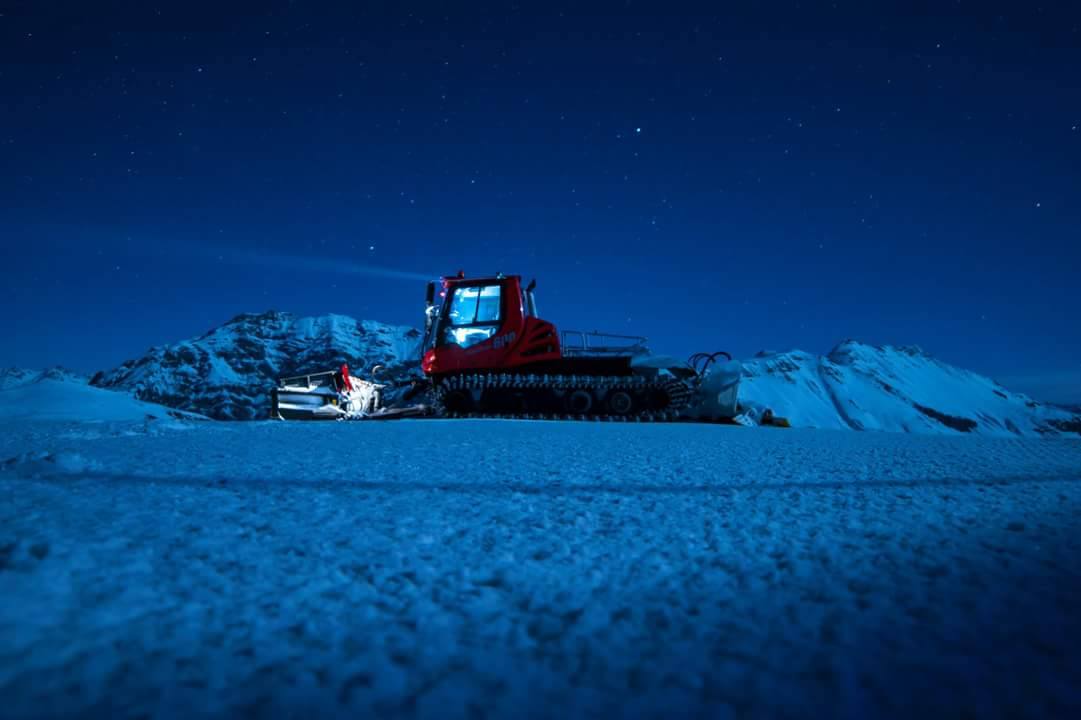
(446,569)
(58,394)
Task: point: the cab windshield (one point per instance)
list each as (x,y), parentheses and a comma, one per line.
(472,315)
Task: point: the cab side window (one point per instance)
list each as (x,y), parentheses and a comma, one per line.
(488,304)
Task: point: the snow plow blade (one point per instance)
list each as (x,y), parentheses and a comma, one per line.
(330,395)
(716,396)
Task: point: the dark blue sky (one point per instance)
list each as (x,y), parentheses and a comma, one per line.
(710,176)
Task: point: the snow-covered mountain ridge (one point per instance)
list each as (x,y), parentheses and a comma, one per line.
(228,372)
(894,388)
(12,378)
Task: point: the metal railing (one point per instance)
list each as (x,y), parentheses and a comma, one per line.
(579,342)
(323,378)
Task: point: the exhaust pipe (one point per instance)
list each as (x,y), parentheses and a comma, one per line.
(530,299)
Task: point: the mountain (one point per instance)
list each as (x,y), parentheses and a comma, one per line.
(899,389)
(60,394)
(12,378)
(227,374)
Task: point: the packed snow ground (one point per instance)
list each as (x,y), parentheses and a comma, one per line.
(445,569)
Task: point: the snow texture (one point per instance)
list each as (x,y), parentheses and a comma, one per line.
(452,569)
(227,374)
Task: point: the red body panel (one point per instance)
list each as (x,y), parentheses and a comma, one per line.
(520,339)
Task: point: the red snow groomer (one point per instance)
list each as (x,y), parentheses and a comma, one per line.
(486,352)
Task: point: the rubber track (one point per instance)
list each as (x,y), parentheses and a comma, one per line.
(678,391)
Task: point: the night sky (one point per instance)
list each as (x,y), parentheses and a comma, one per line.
(719,176)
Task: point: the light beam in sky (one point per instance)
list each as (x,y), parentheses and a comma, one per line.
(312,263)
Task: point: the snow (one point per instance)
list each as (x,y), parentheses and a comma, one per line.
(228,372)
(446,569)
(11,378)
(896,389)
(57,395)
(17,377)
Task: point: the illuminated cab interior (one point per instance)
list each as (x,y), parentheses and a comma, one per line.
(473,314)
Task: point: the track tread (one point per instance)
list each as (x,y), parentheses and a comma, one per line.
(679,394)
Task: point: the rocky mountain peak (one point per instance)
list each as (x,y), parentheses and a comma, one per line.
(228,372)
